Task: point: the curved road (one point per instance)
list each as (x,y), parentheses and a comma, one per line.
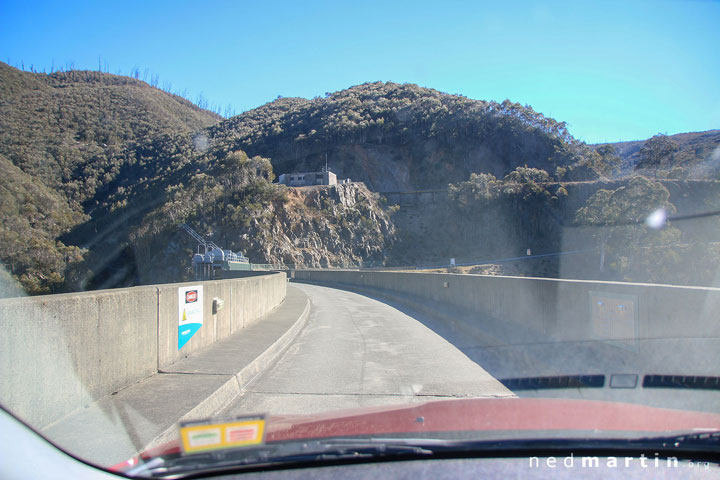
(356,352)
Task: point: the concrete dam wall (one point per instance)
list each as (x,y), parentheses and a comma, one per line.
(642,328)
(62,352)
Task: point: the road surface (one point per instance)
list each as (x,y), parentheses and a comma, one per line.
(355,352)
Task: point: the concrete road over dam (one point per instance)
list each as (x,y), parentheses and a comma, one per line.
(355,352)
(360,350)
(306,348)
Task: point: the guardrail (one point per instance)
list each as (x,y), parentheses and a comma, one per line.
(267,267)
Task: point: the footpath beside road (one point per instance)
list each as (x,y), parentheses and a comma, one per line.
(145,414)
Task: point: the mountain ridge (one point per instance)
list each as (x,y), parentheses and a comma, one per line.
(102,169)
(691,149)
(405,126)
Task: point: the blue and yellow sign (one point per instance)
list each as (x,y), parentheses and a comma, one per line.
(190,313)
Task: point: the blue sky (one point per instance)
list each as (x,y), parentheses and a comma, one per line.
(613,70)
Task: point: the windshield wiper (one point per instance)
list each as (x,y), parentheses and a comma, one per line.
(709,440)
(280,454)
(700,445)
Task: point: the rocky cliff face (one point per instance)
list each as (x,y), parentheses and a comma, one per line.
(316,226)
(321,226)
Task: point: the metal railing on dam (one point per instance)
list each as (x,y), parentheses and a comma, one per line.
(61,352)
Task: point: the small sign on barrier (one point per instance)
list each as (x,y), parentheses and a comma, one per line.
(190,312)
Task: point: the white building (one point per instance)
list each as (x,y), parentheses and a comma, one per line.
(324,177)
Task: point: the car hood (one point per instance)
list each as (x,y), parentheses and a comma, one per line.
(517,415)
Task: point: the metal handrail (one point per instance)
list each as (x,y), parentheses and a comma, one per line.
(199,238)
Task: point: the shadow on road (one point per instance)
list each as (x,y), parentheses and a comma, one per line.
(508,352)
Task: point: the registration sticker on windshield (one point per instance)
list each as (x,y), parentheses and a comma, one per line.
(204,435)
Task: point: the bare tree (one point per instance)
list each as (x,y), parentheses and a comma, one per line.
(201,101)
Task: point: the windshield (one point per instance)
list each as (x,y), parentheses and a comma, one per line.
(231,230)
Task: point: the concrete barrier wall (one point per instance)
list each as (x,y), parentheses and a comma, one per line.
(558,310)
(245,300)
(61,352)
(58,352)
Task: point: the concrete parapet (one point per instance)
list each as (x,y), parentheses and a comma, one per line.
(59,353)
(559,310)
(245,300)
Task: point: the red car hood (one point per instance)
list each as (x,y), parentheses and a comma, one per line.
(483,415)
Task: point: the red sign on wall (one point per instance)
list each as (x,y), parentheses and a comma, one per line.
(190,312)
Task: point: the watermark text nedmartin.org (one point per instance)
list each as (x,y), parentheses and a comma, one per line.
(643,461)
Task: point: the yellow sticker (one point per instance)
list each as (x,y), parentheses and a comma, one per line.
(201,436)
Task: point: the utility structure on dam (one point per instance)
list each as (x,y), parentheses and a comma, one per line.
(214,258)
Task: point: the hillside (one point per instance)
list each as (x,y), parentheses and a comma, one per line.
(314,226)
(65,140)
(403,137)
(583,230)
(684,155)
(101,170)
(72,129)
